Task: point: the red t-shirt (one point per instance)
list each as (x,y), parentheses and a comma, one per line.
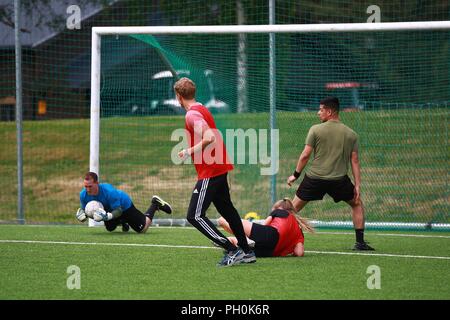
(289,233)
(213,160)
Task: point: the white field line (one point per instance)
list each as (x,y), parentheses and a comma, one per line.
(106,244)
(350,233)
(205,247)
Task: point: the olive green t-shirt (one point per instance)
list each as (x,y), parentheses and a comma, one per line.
(332,143)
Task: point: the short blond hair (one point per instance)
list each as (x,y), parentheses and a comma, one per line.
(185,87)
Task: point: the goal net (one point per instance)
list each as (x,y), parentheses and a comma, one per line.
(392,80)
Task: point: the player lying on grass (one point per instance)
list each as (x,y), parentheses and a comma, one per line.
(118,207)
(279,236)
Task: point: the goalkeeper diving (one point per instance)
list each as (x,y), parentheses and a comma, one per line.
(118,206)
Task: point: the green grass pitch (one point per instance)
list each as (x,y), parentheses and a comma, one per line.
(180,263)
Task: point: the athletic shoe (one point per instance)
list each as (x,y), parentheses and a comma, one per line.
(162,205)
(251,243)
(237,256)
(362,246)
(250,257)
(125,227)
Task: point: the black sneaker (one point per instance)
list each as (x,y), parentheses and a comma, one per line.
(162,205)
(125,227)
(362,246)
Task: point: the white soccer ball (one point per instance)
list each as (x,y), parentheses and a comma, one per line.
(91,207)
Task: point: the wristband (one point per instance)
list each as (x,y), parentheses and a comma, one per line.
(296,174)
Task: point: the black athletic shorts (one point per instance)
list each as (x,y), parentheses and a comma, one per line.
(266,239)
(314,189)
(135,218)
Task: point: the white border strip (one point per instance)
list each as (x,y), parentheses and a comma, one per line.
(375,225)
(204,247)
(388,234)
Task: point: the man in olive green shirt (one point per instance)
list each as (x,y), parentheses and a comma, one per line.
(335,148)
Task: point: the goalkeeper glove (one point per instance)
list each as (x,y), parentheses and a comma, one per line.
(81,215)
(101,215)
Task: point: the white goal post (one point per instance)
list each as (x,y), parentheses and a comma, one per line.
(97,32)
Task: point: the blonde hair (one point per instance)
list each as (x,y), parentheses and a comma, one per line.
(286,204)
(185,87)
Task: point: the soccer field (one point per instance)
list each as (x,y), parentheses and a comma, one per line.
(180,263)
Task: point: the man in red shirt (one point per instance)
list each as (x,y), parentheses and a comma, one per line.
(280,235)
(208,153)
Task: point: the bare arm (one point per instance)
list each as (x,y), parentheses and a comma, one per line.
(356,170)
(299,250)
(207,138)
(268,220)
(301,164)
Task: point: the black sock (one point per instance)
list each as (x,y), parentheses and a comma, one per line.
(150,213)
(359,235)
(229,246)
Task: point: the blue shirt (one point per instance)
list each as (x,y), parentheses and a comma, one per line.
(110,197)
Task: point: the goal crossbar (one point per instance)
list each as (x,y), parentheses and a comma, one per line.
(283,28)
